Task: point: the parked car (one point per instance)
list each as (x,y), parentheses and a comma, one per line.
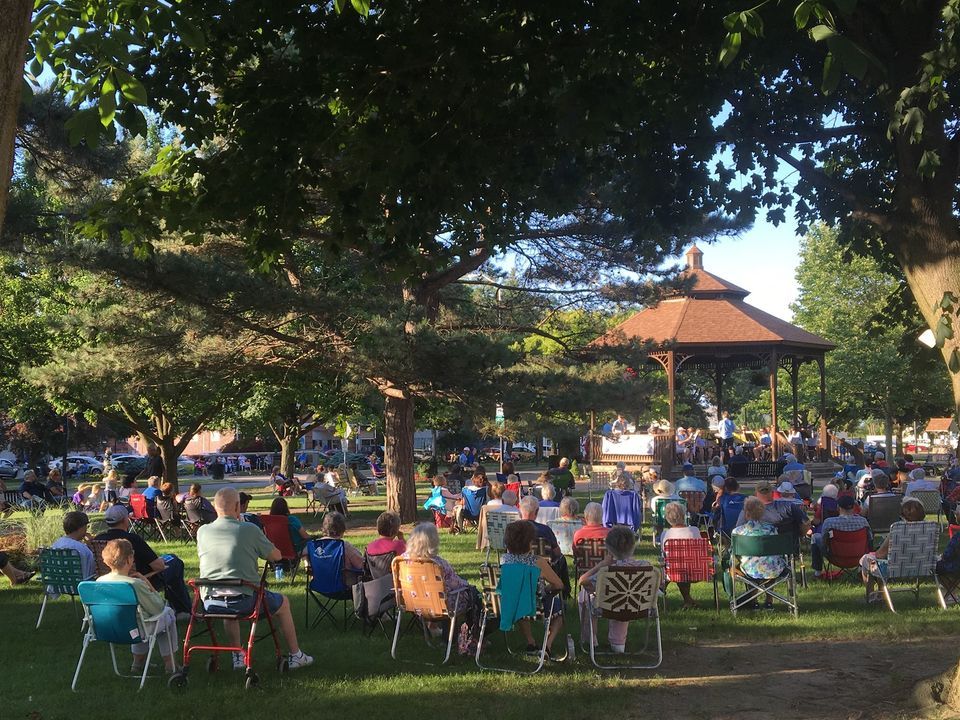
(8,469)
(78,465)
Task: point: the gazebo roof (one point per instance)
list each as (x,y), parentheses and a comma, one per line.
(940,425)
(712,314)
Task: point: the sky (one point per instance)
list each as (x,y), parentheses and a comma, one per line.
(762,260)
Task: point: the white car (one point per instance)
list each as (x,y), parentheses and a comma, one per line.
(79,465)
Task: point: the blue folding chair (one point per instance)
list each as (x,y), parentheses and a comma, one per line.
(113,615)
(325,584)
(473,500)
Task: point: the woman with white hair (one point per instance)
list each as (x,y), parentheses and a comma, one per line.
(593,528)
(424,544)
(566,526)
(716,467)
(676,516)
(918,481)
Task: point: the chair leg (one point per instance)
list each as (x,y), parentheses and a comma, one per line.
(483,631)
(146,665)
(886,595)
(453,630)
(113,658)
(83,652)
(396,634)
(43,607)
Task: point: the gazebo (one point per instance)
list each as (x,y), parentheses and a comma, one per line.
(710,326)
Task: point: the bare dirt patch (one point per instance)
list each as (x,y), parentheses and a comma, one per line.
(757,681)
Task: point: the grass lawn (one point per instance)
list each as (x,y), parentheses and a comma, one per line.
(354,676)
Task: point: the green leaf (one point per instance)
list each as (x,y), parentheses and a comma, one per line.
(801,16)
(131,88)
(339,5)
(751,20)
(191,34)
(912,123)
(819,33)
(929,162)
(953,363)
(729,49)
(947,301)
(107,108)
(85,125)
(831,74)
(361,6)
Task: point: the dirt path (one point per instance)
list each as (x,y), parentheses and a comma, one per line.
(842,680)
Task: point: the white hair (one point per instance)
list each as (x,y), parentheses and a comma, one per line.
(225,500)
(423,542)
(509,497)
(593,513)
(569,507)
(529,507)
(547,491)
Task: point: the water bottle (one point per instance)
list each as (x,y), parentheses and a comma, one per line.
(278,572)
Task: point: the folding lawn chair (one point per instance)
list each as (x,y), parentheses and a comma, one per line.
(884,510)
(497,522)
(626,593)
(511,593)
(325,585)
(418,585)
(373,598)
(911,555)
(564,529)
(113,615)
(659,520)
(142,522)
(932,502)
(546,515)
(473,500)
(277,530)
(762,546)
(845,548)
(587,554)
(217,594)
(60,573)
(690,561)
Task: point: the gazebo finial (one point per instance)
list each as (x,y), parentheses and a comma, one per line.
(695,258)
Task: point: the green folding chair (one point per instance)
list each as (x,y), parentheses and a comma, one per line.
(60,572)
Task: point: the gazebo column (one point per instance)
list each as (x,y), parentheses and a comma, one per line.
(718,384)
(794,379)
(824,437)
(774,434)
(671,368)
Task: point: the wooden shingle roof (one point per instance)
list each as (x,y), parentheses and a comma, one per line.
(712,313)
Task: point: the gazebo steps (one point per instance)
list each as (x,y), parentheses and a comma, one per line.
(821,472)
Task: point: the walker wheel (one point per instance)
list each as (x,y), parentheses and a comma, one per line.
(177,681)
(283,665)
(212,664)
(252,681)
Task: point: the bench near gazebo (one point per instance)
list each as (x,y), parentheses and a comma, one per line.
(710,326)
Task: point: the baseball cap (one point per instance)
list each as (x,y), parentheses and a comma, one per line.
(764,488)
(846,502)
(115,515)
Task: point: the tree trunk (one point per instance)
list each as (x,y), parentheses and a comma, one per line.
(288,452)
(931,263)
(170,455)
(899,445)
(888,432)
(14,30)
(398,457)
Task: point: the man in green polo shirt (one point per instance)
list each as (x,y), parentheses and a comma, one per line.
(232,550)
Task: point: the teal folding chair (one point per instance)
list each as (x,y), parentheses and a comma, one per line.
(60,572)
(113,615)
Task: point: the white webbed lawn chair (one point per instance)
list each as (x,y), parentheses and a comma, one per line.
(911,556)
(626,593)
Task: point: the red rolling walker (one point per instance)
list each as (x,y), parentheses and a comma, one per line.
(199,612)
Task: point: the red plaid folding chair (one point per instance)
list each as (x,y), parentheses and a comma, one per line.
(690,561)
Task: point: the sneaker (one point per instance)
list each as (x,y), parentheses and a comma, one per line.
(619,649)
(238,662)
(300,660)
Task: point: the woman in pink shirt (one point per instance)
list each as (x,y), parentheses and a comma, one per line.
(391,539)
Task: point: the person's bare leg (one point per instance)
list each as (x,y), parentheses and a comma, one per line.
(556,625)
(232,628)
(525,630)
(287,628)
(688,601)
